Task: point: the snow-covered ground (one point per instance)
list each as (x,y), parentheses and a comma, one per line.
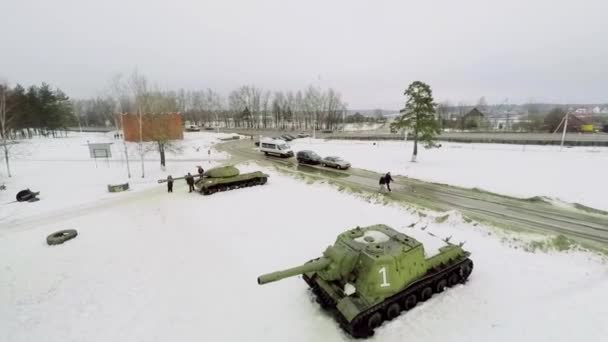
(153,266)
(63,167)
(363,126)
(575,174)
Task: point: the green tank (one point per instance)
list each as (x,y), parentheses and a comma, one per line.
(228,178)
(372,274)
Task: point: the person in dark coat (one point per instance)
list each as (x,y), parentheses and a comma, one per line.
(201,171)
(388,179)
(190,181)
(382,183)
(169,184)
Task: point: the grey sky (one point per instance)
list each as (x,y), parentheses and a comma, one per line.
(544,50)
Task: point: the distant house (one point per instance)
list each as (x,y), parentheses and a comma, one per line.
(578,123)
(473,119)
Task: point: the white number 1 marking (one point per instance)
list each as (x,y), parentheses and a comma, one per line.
(385,282)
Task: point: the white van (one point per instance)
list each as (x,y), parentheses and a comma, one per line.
(276,147)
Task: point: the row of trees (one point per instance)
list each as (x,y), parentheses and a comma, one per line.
(37,110)
(245,107)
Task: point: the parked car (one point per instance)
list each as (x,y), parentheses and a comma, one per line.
(292,137)
(276,147)
(193,128)
(308,157)
(337,162)
(286,137)
(303,135)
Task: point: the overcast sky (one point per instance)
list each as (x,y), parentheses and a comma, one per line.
(369,51)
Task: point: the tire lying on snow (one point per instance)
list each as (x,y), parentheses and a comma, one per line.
(61,236)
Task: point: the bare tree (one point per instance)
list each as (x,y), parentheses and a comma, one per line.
(138,85)
(443,110)
(122,103)
(482,104)
(5,121)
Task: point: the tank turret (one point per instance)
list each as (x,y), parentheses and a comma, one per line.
(371,274)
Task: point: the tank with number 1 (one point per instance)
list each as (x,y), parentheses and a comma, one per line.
(372,274)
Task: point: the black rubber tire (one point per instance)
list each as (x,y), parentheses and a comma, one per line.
(24,195)
(61,236)
(374,321)
(441,285)
(410,302)
(426,293)
(393,311)
(265,153)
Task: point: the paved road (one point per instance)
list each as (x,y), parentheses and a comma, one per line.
(587,226)
(572,139)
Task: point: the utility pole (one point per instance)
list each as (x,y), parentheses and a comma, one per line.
(124,143)
(141,143)
(564,132)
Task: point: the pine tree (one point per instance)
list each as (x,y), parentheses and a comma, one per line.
(418,115)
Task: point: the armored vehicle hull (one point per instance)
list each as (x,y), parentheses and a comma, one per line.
(372,274)
(364,323)
(208,185)
(228,178)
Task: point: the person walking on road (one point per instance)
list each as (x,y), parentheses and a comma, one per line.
(169,184)
(382,183)
(190,181)
(388,179)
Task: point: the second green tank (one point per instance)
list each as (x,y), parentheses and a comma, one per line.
(372,274)
(228,178)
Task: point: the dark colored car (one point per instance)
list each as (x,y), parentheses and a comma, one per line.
(286,137)
(303,135)
(308,157)
(291,136)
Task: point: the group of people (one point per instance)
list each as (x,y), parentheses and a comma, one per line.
(189,180)
(117,136)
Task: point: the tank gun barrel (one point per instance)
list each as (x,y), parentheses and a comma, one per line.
(312,266)
(164,180)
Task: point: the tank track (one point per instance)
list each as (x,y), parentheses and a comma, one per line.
(436,279)
(234,185)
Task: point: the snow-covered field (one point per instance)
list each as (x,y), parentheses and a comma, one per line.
(153,266)
(363,126)
(573,175)
(63,168)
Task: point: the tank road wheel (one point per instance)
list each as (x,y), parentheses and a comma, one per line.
(426,293)
(465,271)
(338,167)
(374,321)
(453,279)
(393,311)
(264,180)
(441,285)
(410,302)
